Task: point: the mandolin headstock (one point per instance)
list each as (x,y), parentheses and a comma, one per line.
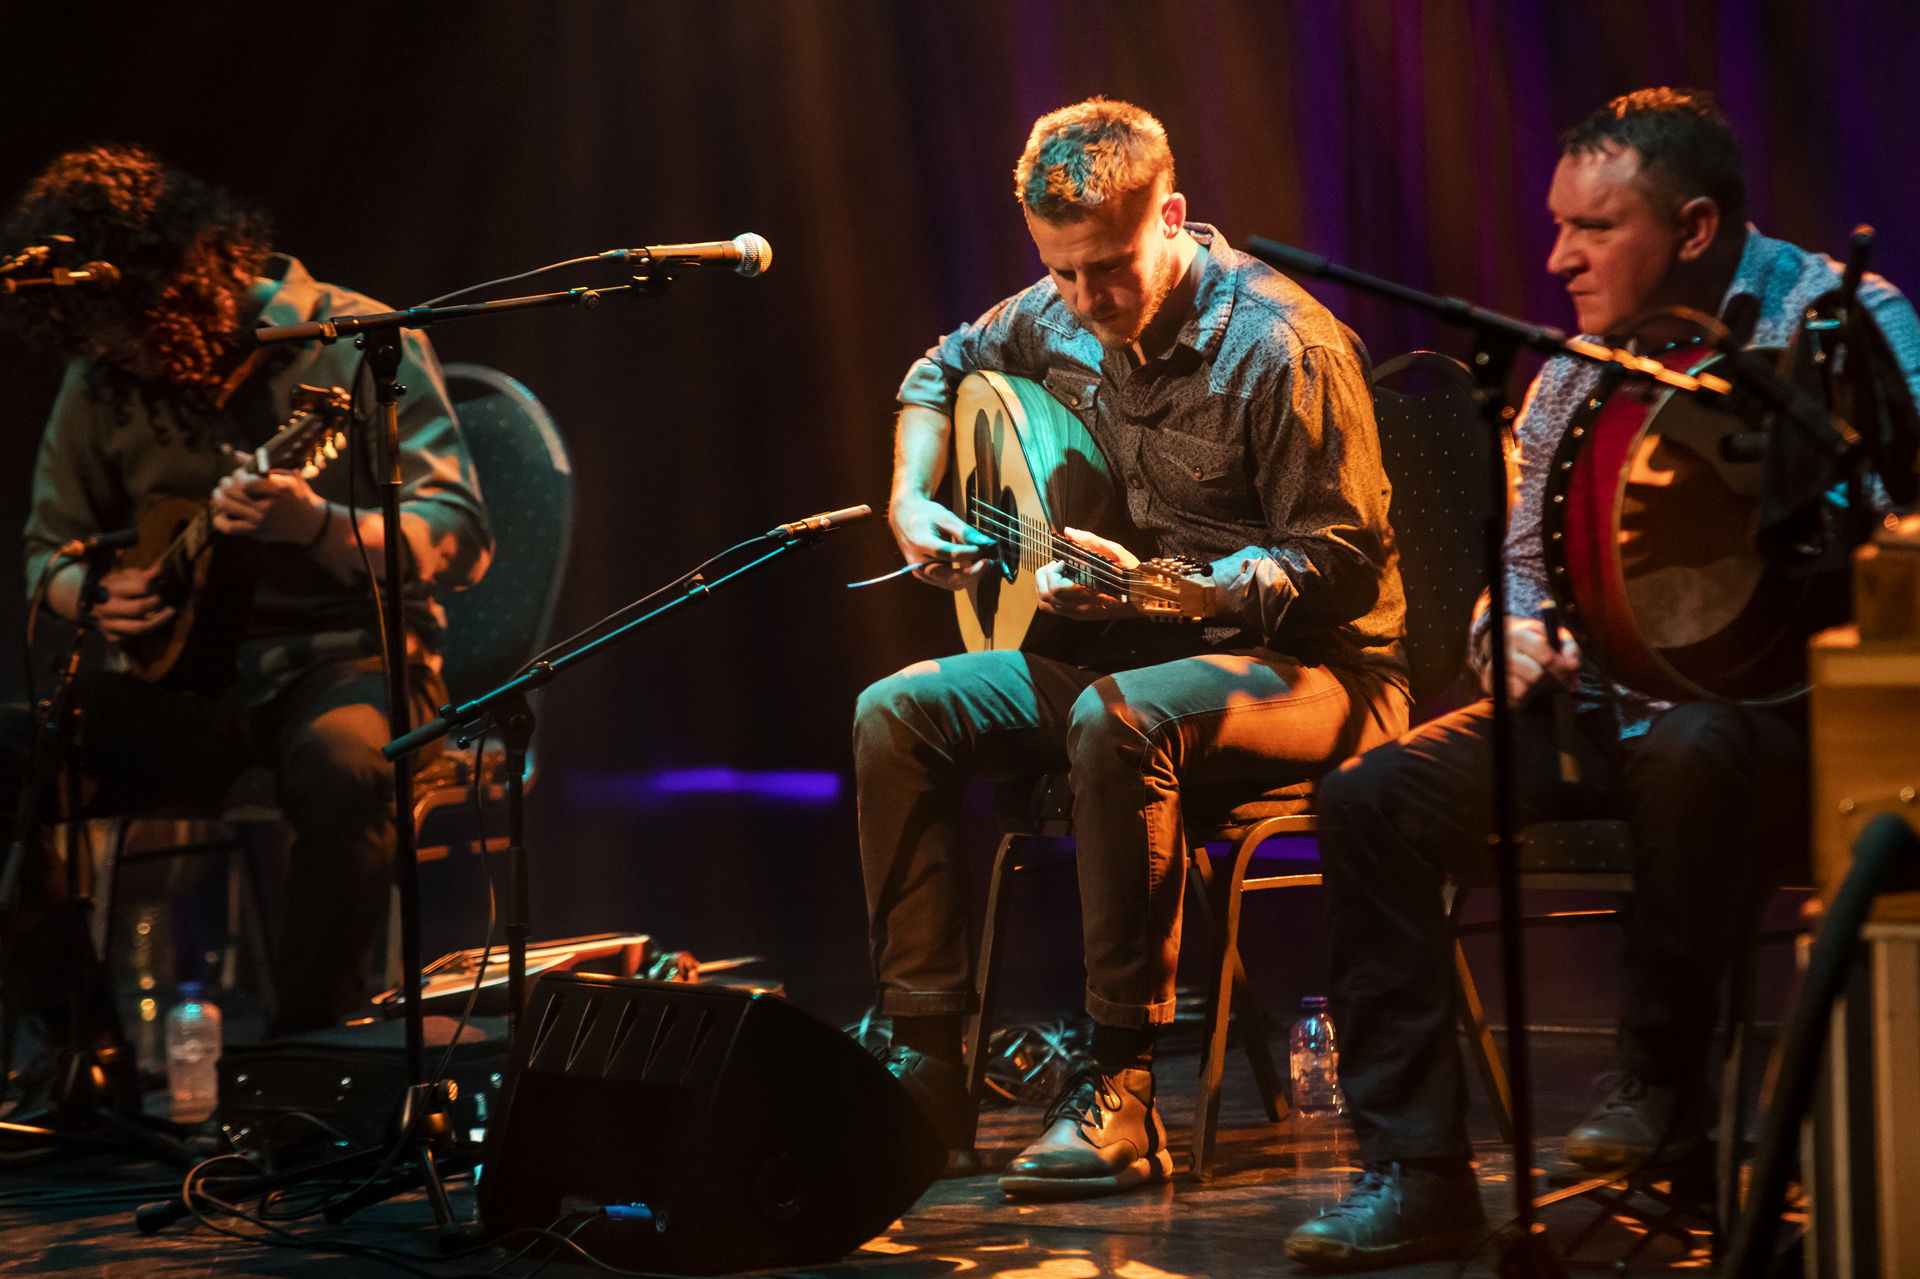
(312,437)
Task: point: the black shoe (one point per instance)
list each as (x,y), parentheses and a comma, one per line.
(1103,1135)
(1390,1215)
(1636,1123)
(940,1088)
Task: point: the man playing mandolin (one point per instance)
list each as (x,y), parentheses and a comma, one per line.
(1235,415)
(1650,203)
(279,662)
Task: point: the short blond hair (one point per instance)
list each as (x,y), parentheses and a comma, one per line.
(1083,155)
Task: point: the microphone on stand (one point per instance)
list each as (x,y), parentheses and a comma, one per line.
(96,552)
(94,277)
(814,525)
(100,543)
(35,256)
(1858,250)
(747,254)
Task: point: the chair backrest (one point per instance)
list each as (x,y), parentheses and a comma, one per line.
(527,483)
(1434,445)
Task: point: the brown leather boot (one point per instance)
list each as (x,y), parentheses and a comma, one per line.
(1103,1135)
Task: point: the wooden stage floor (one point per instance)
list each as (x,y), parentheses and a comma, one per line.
(1233,1225)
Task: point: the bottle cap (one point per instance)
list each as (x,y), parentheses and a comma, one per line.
(191,991)
(1313,1003)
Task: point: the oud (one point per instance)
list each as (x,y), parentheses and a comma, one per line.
(1025,469)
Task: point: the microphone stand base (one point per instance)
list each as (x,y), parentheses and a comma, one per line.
(426,1133)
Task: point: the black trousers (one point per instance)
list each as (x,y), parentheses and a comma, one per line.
(1715,794)
(143,747)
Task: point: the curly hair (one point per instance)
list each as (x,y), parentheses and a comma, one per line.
(1082,155)
(185,250)
(1686,146)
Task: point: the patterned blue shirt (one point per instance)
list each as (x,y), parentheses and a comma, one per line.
(1784,280)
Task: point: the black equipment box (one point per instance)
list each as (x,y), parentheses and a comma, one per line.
(346,1084)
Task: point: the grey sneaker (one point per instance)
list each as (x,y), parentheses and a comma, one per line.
(1391,1215)
(1635,1123)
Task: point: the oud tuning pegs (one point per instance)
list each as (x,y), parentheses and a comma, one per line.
(1183,566)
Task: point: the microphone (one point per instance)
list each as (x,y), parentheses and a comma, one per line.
(100,543)
(94,277)
(1858,251)
(1287,258)
(34,255)
(747,254)
(814,525)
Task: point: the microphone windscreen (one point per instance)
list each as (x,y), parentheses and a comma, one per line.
(102,277)
(756,255)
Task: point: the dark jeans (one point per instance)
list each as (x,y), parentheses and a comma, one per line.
(143,747)
(1249,719)
(1715,795)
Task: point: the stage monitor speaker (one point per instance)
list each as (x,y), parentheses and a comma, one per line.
(698,1129)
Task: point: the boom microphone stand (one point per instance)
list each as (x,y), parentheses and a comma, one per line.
(508,704)
(423,1119)
(424,1125)
(1497,340)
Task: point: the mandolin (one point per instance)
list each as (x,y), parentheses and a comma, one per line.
(177,533)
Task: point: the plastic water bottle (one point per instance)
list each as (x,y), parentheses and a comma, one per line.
(193,1049)
(1322,1143)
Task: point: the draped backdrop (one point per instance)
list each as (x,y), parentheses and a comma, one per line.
(409,148)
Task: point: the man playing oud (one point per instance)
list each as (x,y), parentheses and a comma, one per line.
(1234,412)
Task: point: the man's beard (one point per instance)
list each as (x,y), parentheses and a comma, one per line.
(1158,287)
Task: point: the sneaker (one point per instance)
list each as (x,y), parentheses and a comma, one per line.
(940,1089)
(1102,1135)
(1635,1123)
(1392,1214)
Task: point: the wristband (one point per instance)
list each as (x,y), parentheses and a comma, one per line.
(325,524)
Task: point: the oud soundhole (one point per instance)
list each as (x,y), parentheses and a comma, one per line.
(986,589)
(1006,549)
